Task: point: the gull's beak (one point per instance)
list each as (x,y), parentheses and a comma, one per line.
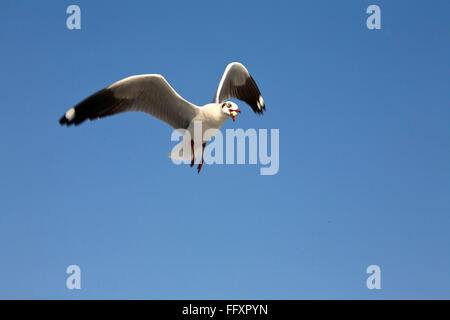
(234,113)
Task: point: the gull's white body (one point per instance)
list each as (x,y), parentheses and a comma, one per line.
(209,119)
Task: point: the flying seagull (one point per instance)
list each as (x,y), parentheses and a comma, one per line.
(152,94)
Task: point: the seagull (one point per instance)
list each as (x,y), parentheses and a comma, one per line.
(152,94)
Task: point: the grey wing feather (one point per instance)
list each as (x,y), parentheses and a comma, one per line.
(237,83)
(149,93)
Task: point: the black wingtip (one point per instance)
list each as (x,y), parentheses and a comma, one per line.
(63,120)
(260,105)
(98,105)
(68,118)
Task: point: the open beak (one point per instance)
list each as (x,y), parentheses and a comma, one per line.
(234,113)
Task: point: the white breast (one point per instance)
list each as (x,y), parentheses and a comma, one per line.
(212,118)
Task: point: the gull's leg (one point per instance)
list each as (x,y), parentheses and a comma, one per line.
(193,153)
(201,162)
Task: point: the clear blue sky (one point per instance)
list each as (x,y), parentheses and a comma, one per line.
(364,152)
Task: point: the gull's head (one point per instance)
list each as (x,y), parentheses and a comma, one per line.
(231,109)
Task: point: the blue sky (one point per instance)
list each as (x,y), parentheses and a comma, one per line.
(364,153)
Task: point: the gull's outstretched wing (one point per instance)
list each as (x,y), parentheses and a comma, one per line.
(237,83)
(149,93)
